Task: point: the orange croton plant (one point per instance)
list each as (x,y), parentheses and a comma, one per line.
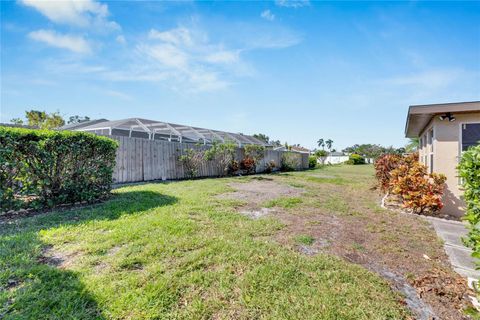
(420,191)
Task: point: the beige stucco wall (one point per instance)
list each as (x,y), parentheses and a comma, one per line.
(446,154)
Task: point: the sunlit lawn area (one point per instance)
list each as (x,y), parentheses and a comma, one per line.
(176,251)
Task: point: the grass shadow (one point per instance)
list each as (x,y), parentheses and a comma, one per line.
(119,204)
(33,288)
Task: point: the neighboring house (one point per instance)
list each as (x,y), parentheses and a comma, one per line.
(445,131)
(158,130)
(336,158)
(300,149)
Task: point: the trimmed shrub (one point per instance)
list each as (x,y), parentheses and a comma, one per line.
(469,171)
(44,168)
(312,162)
(355,159)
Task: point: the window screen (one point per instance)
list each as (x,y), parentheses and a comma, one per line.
(470,135)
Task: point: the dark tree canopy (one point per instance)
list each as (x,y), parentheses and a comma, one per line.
(262,137)
(77,119)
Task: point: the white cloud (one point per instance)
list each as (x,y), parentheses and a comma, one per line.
(121,39)
(267,15)
(166,55)
(177,36)
(183,59)
(223,57)
(73,43)
(292,3)
(431,79)
(83,13)
(186,59)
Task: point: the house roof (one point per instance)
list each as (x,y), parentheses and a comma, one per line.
(300,149)
(78,125)
(153,127)
(419,116)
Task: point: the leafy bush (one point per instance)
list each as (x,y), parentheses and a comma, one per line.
(290,161)
(312,162)
(383,166)
(355,159)
(322,155)
(43,168)
(421,192)
(253,154)
(270,166)
(223,155)
(469,171)
(248,165)
(191,160)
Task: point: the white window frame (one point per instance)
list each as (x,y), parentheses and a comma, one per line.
(428,153)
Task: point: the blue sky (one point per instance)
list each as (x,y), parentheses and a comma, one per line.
(295,70)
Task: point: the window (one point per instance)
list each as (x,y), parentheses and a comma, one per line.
(470,135)
(429,150)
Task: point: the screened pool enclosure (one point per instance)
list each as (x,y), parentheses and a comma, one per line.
(158,130)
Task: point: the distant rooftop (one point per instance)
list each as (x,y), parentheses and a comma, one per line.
(78,125)
(159,130)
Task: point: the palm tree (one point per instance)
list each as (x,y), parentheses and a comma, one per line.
(329,143)
(321,143)
(412,145)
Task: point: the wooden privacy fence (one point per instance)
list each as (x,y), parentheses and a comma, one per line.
(143,160)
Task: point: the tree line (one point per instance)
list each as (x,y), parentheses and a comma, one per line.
(44,120)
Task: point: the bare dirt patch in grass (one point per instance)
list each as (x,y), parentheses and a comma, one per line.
(59,259)
(258,192)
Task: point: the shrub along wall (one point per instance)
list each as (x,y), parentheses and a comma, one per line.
(44,168)
(409,181)
(469,170)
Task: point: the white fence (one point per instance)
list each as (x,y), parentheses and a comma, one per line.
(341,159)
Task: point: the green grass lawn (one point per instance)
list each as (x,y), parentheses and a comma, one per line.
(175,251)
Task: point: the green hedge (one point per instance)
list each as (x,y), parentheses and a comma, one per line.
(312,162)
(469,171)
(44,168)
(355,159)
